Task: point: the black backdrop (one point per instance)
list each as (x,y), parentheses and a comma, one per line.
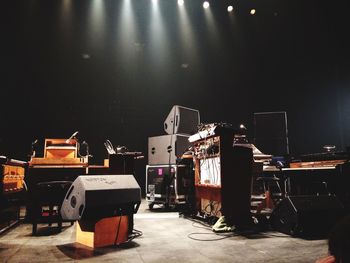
(86,66)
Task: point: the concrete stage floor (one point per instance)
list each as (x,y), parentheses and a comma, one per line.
(167,237)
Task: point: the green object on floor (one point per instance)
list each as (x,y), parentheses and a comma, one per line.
(222,226)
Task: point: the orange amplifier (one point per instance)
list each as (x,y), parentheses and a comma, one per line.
(12,173)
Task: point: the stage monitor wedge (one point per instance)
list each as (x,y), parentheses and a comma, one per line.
(307,215)
(182,120)
(101,196)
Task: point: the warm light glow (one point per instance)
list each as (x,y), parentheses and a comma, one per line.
(66,16)
(180,2)
(206,4)
(230,8)
(252,11)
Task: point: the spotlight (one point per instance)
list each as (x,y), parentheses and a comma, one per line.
(154,1)
(180,2)
(230,8)
(252,11)
(242,126)
(206,4)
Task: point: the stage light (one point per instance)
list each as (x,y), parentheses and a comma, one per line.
(230,8)
(126,36)
(97,22)
(242,126)
(252,11)
(206,4)
(154,1)
(180,2)
(187,38)
(158,45)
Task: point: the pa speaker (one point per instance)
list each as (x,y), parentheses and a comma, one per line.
(166,149)
(182,120)
(100,196)
(307,215)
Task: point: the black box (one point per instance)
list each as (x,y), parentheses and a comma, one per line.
(168,184)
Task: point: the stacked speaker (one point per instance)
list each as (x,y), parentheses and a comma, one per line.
(180,123)
(164,152)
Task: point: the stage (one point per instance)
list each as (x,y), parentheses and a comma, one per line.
(166,237)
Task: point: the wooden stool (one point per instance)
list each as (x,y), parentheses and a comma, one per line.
(103,232)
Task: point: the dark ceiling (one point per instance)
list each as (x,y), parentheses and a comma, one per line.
(114,73)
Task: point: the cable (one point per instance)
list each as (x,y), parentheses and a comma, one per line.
(206,208)
(223,236)
(136,233)
(211,221)
(204,226)
(216,206)
(120,220)
(273,235)
(25,186)
(171,177)
(217,169)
